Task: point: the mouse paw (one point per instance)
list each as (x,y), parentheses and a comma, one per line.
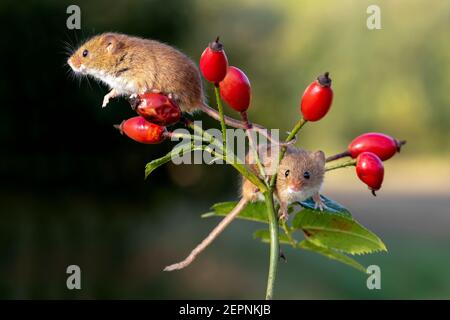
(318,203)
(283,214)
(112,94)
(105,101)
(172,96)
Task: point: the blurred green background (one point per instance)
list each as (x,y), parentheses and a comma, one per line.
(72,188)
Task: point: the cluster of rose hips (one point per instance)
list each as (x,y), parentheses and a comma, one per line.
(234,85)
(157,111)
(369,149)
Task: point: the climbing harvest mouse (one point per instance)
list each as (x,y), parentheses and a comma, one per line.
(299,177)
(132,65)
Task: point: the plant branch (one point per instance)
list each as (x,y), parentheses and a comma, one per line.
(242,168)
(221,115)
(341,165)
(274,244)
(237,123)
(273,221)
(338,156)
(228,120)
(296,129)
(290,137)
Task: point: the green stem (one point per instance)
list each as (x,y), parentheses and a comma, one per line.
(338,156)
(243,169)
(291,136)
(222,120)
(274,244)
(273,221)
(296,129)
(341,165)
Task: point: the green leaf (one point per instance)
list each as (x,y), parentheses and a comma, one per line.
(264,236)
(331,254)
(254,211)
(337,232)
(333,228)
(332,207)
(176,152)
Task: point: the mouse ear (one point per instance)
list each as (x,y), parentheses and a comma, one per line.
(112,43)
(319,156)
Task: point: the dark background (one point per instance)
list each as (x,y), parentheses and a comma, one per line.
(72,188)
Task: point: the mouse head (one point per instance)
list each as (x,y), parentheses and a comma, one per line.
(301,170)
(97,54)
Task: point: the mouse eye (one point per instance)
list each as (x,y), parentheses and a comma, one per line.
(286,174)
(85,53)
(306,175)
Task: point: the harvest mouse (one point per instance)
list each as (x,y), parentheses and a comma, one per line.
(299,177)
(131,65)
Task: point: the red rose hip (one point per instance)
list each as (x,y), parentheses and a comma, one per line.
(370,170)
(235,89)
(381,144)
(214,62)
(158,109)
(140,130)
(317,98)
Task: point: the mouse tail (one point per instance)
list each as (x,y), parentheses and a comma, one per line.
(213,113)
(210,238)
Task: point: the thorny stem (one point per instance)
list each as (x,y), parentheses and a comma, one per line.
(222,120)
(274,244)
(341,165)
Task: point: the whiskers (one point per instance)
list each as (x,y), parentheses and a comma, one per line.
(68,48)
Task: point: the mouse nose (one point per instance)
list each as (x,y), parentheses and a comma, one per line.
(295,186)
(74,62)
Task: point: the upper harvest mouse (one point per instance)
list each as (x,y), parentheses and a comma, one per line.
(131,65)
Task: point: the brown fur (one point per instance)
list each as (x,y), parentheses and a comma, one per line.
(144,65)
(297,161)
